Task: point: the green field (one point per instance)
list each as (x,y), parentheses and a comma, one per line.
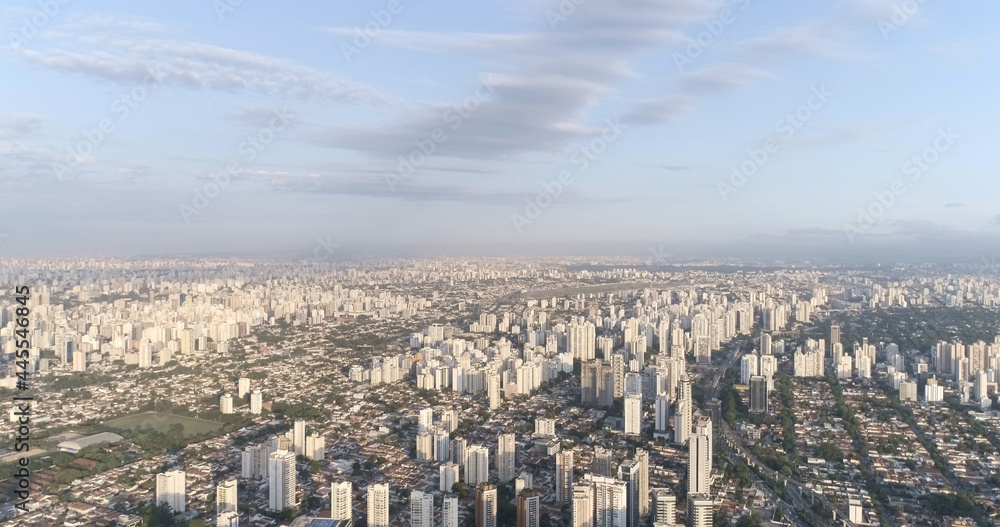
(162,422)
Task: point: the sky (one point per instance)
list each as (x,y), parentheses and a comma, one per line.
(638,127)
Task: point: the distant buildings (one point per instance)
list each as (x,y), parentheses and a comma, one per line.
(506,456)
(171,490)
(564,476)
(281,480)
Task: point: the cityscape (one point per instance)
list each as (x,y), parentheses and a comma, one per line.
(505,263)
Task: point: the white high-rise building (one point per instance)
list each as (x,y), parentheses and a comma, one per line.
(316,447)
(610,501)
(243,387)
(682,417)
(580,339)
(477,465)
(700,510)
(425,446)
(662,407)
(493,389)
(421,509)
(506,455)
(449,512)
(341,501)
(425,420)
(171,489)
(299,437)
(700,458)
(748,368)
(583,506)
(256,402)
(664,507)
(448,475)
(281,480)
(633,414)
(226,403)
(545,427)
(225,497)
(378,505)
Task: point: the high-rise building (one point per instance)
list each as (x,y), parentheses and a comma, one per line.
(226,403)
(448,475)
(664,507)
(564,475)
(748,368)
(299,437)
(628,472)
(316,447)
(633,414)
(486,505)
(171,489)
(603,462)
(79,361)
(758,395)
(256,402)
(425,420)
(700,458)
(610,501)
(506,455)
(642,457)
(529,509)
(243,385)
(421,509)
(682,415)
(583,506)
(378,505)
(281,480)
(493,389)
(225,497)
(662,407)
(449,512)
(425,446)
(477,465)
(700,510)
(341,501)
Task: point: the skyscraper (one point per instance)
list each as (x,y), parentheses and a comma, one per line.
(243,385)
(477,465)
(662,407)
(564,475)
(633,414)
(610,501)
(664,507)
(421,509)
(628,472)
(506,455)
(341,501)
(299,437)
(642,457)
(493,389)
(486,505)
(758,395)
(256,402)
(226,403)
(378,505)
(171,489)
(449,512)
(682,417)
(281,480)
(699,510)
(225,497)
(700,457)
(603,462)
(583,506)
(529,509)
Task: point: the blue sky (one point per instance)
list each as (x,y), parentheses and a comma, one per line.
(182,88)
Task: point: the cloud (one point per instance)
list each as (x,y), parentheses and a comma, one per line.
(722,78)
(658,111)
(826,38)
(544,83)
(954,205)
(18,125)
(101,49)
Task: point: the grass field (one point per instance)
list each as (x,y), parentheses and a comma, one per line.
(161,423)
